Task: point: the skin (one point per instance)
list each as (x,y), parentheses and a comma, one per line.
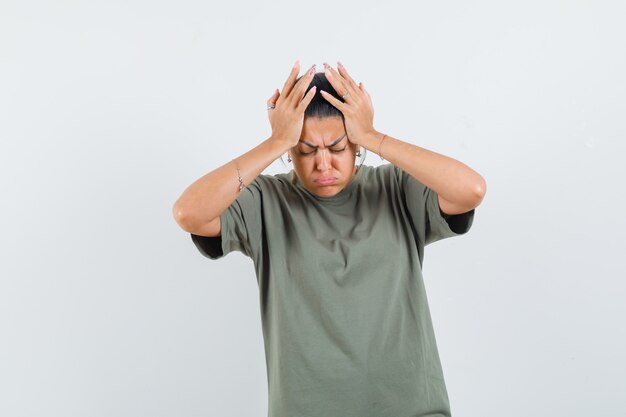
(459,188)
(336,161)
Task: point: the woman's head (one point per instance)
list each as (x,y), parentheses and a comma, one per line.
(324,151)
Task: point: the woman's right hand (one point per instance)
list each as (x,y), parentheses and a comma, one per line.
(287,118)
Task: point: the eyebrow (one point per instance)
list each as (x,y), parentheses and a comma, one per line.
(336,141)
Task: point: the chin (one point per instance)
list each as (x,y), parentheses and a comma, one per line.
(327,191)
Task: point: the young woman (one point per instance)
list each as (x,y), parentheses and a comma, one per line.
(338,248)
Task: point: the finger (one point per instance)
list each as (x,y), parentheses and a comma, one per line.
(332,100)
(272,100)
(345,75)
(303,83)
(362,87)
(304,103)
(291,80)
(341,74)
(367,95)
(336,80)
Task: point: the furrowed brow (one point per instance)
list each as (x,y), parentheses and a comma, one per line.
(336,141)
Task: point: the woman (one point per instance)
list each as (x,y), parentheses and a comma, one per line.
(337,250)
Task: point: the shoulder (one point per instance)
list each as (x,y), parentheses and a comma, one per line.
(385,175)
(270,185)
(272,180)
(380,171)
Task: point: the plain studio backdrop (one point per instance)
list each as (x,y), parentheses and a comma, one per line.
(110,109)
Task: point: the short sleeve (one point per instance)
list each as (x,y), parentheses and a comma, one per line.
(240,227)
(429,221)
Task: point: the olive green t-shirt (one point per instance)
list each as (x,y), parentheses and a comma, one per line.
(345,317)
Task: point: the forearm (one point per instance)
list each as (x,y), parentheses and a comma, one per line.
(210,195)
(449,178)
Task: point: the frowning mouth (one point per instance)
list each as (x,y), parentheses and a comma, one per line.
(325,180)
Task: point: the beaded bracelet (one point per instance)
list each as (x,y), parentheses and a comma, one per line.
(241,186)
(379,145)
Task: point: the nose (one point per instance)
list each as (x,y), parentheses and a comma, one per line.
(322,159)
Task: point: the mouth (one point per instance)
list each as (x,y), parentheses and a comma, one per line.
(325,180)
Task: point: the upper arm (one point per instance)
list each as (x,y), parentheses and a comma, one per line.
(432,217)
(447,208)
(238,228)
(457,218)
(210,229)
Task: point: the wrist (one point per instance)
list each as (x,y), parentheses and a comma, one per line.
(279,146)
(372,140)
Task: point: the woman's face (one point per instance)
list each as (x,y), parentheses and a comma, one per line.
(324,157)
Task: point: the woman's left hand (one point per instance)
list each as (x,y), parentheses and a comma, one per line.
(357,108)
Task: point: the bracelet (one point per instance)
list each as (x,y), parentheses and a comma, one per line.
(379,145)
(241,186)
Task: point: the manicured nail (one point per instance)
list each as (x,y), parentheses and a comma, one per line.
(326,65)
(339,64)
(312,70)
(328,73)
(297,63)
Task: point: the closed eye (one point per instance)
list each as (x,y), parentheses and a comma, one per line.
(332,150)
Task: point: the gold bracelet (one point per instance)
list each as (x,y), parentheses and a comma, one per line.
(379,145)
(241,186)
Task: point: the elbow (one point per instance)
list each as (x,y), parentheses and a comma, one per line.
(480,189)
(180,216)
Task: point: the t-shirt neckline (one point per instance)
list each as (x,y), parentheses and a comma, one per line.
(340,197)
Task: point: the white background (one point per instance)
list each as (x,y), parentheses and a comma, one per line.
(110,109)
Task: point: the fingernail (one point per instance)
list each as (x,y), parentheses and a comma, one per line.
(312,70)
(326,65)
(328,73)
(339,64)
(297,63)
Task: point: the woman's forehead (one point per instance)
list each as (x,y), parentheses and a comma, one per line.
(322,132)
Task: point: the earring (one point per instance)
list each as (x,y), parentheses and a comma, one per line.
(361,155)
(288,164)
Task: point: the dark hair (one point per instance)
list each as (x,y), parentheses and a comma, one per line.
(319,106)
